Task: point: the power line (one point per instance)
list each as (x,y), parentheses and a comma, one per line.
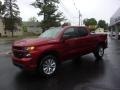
(67,12)
(77,12)
(75,5)
(64,12)
(64,7)
(80,15)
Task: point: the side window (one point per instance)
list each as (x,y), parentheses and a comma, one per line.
(82,31)
(70,33)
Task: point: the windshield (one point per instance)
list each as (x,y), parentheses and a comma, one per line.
(51,33)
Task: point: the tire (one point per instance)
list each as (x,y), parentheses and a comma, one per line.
(48,66)
(99,52)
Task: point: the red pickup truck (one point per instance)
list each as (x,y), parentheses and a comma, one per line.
(55,46)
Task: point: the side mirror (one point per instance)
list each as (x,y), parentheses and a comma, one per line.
(66,37)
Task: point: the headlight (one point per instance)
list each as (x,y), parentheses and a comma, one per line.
(30,48)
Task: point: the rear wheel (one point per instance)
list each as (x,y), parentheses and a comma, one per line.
(48,65)
(99,53)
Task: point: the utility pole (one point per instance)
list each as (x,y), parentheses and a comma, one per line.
(44,14)
(45,2)
(80,18)
(11,16)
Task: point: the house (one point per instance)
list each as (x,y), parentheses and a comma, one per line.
(1,27)
(33,27)
(114,26)
(17,31)
(99,30)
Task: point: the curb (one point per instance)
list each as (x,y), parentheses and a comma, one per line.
(6,53)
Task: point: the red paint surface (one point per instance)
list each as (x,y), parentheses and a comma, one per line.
(65,49)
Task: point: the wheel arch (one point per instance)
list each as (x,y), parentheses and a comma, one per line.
(49,52)
(102,44)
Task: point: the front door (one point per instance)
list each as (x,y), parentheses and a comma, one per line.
(70,43)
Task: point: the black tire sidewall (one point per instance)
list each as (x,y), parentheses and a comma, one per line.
(96,53)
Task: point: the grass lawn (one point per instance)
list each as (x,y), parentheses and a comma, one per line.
(25,35)
(11,39)
(16,38)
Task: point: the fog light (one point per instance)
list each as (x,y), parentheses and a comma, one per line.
(28,55)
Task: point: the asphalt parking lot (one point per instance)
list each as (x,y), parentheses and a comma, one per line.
(86,75)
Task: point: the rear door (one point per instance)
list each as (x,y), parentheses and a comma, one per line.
(86,42)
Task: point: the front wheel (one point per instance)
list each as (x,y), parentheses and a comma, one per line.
(99,53)
(48,65)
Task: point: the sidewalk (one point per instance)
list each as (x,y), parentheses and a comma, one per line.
(6,53)
(6,40)
(5,46)
(6,43)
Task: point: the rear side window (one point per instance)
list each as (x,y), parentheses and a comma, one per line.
(82,31)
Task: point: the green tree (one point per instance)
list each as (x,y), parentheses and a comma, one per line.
(2,7)
(48,8)
(86,22)
(24,28)
(11,15)
(91,21)
(102,24)
(33,19)
(66,24)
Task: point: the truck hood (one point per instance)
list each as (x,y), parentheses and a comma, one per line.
(34,42)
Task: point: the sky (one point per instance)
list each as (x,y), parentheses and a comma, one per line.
(98,9)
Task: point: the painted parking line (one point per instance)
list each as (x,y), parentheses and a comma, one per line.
(5,53)
(1,53)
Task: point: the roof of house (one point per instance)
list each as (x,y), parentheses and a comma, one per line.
(31,24)
(116,14)
(115,18)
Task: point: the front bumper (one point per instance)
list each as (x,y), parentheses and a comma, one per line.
(24,63)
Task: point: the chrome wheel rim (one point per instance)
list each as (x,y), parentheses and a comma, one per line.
(49,66)
(101,51)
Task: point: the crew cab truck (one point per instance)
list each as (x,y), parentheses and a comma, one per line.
(55,46)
